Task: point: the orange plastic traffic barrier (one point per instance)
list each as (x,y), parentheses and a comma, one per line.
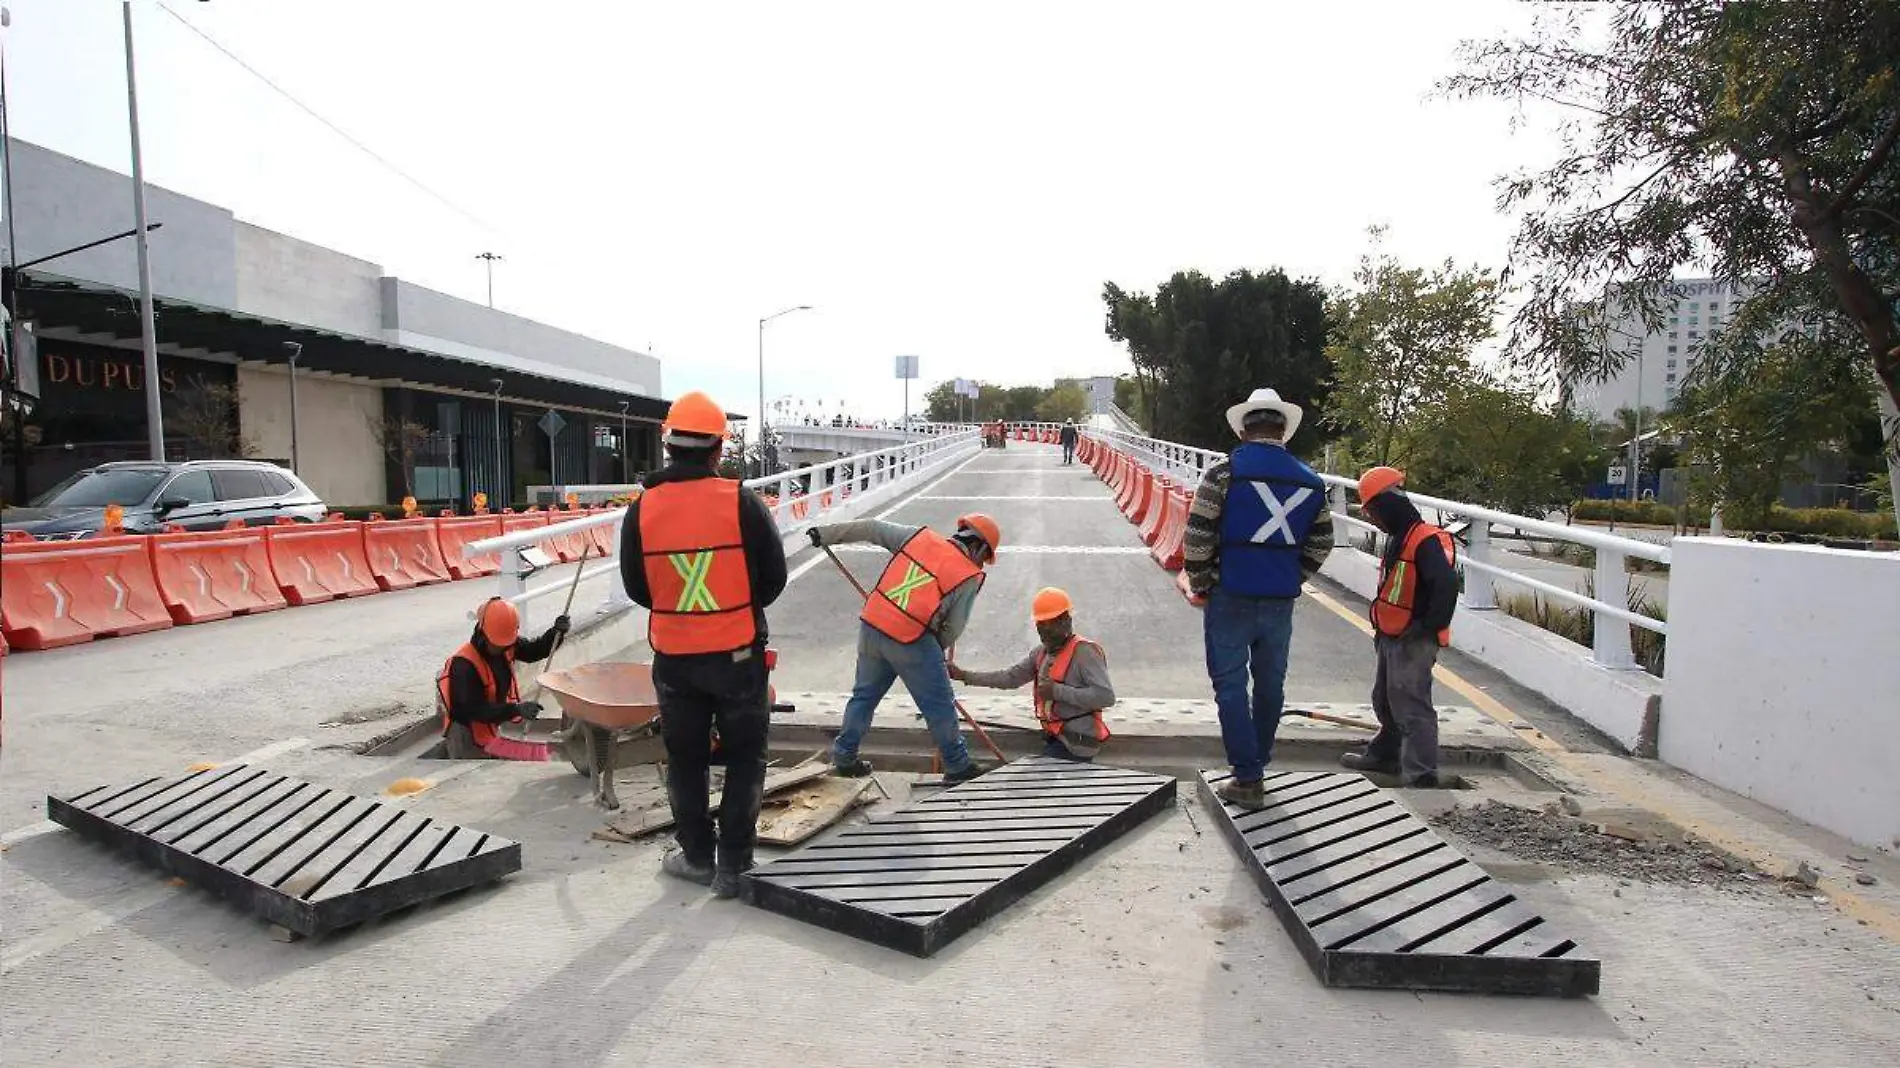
(317,562)
(603,535)
(1131,484)
(1144,497)
(403,553)
(1167,547)
(453,532)
(1151,518)
(567,547)
(516,522)
(55,593)
(215,574)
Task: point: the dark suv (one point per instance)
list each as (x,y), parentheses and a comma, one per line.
(194,495)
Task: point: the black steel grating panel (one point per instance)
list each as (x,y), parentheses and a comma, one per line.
(920,877)
(1374,898)
(301,855)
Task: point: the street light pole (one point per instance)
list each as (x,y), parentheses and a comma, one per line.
(295,350)
(148,340)
(762,322)
(626,446)
(500,488)
(489,258)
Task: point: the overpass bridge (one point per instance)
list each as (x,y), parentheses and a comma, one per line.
(587,957)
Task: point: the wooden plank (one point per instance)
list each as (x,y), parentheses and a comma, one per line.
(1372,897)
(811,809)
(945,864)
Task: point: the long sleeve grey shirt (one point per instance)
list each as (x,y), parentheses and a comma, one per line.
(952,615)
(1088,690)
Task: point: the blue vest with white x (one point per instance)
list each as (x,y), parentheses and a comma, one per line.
(1272,502)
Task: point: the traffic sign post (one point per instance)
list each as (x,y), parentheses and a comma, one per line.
(907,370)
(551,424)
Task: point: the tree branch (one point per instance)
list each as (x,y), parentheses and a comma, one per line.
(1882,149)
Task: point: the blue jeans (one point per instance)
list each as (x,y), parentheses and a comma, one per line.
(882,662)
(1248,635)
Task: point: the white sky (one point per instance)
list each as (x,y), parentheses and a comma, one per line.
(955,181)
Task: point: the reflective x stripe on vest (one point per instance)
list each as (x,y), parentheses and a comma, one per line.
(1398,582)
(694,559)
(483,732)
(1046,709)
(920,575)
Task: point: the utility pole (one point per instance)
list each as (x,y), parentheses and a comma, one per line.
(148,340)
(293,350)
(490,258)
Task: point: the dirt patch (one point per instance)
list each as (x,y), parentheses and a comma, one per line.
(1652,852)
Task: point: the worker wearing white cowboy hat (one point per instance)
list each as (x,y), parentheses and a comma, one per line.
(1259,526)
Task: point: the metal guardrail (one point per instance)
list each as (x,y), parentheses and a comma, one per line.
(797,499)
(1481,562)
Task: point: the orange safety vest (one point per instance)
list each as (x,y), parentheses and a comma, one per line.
(1046,710)
(696,568)
(925,570)
(483,732)
(1398,583)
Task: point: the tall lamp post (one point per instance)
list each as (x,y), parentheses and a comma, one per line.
(762,322)
(500,491)
(148,341)
(626,446)
(294,350)
(491,258)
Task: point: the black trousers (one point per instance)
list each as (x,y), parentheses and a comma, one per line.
(697,694)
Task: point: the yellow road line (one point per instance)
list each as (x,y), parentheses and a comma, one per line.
(1628,789)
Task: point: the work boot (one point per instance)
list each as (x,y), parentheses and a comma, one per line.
(1367,760)
(725,884)
(857,768)
(965,774)
(680,866)
(1427,781)
(1248,795)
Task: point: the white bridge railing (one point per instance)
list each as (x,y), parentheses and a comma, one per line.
(797,499)
(1481,562)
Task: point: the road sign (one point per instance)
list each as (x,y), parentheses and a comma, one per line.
(1619,475)
(551,424)
(907,367)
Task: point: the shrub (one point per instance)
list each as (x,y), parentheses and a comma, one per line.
(1652,513)
(1578,624)
(1820,522)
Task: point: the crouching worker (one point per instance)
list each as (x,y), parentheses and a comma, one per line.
(1070,673)
(476,689)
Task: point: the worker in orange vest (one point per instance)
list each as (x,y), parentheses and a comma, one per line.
(1070,673)
(1411,620)
(918,609)
(476,689)
(702,554)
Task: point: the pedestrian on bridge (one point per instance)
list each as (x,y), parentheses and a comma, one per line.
(1258,527)
(1068,441)
(703,555)
(917,610)
(1411,619)
(476,688)
(1070,674)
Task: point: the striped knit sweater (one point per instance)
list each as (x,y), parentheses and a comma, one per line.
(1201,553)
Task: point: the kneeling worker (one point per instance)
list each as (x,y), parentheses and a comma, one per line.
(918,609)
(471,694)
(1071,677)
(703,556)
(1417,594)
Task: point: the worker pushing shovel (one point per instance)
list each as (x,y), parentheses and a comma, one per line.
(916,611)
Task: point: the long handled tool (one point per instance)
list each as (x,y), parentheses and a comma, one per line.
(975,727)
(522,748)
(1324,717)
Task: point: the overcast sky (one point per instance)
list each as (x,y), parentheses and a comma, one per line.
(954,181)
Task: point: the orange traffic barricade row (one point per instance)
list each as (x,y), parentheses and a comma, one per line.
(215,574)
(603,535)
(1173,535)
(567,547)
(1151,520)
(1131,481)
(1143,499)
(317,562)
(403,553)
(454,532)
(55,593)
(516,522)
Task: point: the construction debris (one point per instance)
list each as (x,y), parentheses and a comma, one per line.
(1661,854)
(637,824)
(1805,874)
(793,817)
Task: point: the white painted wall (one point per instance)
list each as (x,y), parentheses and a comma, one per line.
(337,456)
(281,277)
(1780,679)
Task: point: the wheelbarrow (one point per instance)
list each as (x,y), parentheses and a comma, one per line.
(610,719)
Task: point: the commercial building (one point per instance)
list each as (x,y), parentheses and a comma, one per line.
(1659,360)
(399,389)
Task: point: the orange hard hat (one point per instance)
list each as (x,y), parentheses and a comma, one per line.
(1049,604)
(696,415)
(500,622)
(985,528)
(1377,480)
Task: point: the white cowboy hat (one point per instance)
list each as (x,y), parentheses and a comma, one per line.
(1264,400)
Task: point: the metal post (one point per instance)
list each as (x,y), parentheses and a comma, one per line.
(1342,534)
(626,446)
(295,351)
(148,339)
(1611,642)
(761,468)
(1479,592)
(501,491)
(514,574)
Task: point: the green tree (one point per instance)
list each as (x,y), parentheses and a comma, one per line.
(1496,444)
(1199,346)
(941,403)
(1063,402)
(1131,396)
(1401,345)
(1754,136)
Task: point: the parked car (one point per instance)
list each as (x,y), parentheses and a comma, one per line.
(194,495)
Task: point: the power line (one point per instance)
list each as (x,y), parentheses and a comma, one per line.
(333,127)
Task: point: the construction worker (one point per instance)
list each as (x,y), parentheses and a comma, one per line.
(1069,436)
(1411,618)
(471,694)
(918,609)
(1071,677)
(1258,527)
(703,556)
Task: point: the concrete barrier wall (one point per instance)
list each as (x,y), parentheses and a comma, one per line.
(1781,682)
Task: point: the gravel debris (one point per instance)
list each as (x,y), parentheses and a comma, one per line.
(1555,838)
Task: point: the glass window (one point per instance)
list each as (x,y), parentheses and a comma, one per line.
(1672,350)
(1693,334)
(240,484)
(1672,335)
(1670,377)
(192,486)
(279,485)
(1675,320)
(1672,365)
(1695,305)
(98,488)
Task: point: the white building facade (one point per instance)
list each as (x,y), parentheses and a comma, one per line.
(1659,360)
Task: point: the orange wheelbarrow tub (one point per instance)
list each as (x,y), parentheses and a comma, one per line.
(610,695)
